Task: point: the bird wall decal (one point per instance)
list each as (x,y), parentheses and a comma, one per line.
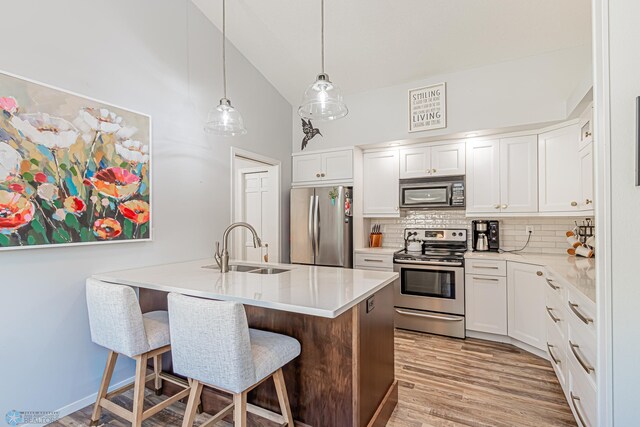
(309,132)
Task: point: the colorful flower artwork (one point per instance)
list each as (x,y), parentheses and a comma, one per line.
(73,170)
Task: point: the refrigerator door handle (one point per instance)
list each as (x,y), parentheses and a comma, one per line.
(316,227)
(311,223)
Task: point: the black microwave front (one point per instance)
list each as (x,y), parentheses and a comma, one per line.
(436,193)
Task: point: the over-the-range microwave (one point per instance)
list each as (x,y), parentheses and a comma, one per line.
(437,193)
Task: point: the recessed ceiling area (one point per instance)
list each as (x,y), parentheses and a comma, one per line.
(373,44)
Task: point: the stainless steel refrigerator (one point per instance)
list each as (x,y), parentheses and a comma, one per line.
(322,226)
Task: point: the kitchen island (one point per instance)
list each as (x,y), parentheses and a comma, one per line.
(343,319)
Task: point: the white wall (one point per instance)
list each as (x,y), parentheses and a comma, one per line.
(161,57)
(525,91)
(624,85)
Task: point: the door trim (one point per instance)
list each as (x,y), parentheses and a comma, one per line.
(239,153)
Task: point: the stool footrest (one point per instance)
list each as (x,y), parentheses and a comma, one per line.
(265,413)
(217,417)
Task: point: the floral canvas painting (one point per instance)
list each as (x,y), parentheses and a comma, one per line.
(72,170)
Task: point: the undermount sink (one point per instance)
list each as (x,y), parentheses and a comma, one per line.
(257,269)
(269,270)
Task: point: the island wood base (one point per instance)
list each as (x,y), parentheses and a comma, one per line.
(344,375)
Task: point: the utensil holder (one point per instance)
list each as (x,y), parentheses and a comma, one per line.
(375,240)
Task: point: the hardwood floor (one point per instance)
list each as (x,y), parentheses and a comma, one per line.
(444,382)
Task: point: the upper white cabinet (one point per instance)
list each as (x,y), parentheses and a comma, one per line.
(432,161)
(526,304)
(502,175)
(381,172)
(483,176)
(323,168)
(586,178)
(559,170)
(519,174)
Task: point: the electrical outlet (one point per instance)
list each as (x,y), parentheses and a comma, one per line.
(529,229)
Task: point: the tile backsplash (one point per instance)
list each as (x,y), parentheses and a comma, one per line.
(548,233)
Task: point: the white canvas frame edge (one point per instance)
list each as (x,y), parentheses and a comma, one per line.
(99,242)
(444,107)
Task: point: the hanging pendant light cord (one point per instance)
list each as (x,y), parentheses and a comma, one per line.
(322,31)
(224,53)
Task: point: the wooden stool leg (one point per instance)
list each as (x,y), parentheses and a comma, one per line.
(283,398)
(104,387)
(192,403)
(240,410)
(157,368)
(138,389)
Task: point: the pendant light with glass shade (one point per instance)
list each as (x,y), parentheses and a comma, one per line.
(322,100)
(224,120)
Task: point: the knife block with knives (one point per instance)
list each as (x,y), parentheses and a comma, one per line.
(375,238)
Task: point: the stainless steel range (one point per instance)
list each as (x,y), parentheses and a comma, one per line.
(429,295)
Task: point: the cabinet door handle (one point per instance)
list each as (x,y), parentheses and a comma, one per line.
(588,201)
(574,204)
(486,279)
(554,318)
(497,207)
(556,361)
(574,308)
(587,134)
(433,171)
(574,349)
(575,399)
(322,174)
(539,273)
(373,260)
(550,283)
(505,206)
(317,175)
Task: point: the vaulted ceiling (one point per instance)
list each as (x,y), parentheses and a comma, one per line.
(378,43)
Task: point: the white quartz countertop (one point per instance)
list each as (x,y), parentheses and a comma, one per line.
(381,251)
(579,272)
(317,291)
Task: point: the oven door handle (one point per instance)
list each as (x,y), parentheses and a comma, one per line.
(428,263)
(430,316)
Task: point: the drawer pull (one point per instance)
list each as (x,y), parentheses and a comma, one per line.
(373,260)
(539,273)
(574,308)
(575,399)
(550,283)
(430,316)
(574,349)
(487,267)
(554,318)
(486,279)
(556,361)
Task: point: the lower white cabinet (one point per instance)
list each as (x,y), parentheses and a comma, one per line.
(380,184)
(486,303)
(369,261)
(526,304)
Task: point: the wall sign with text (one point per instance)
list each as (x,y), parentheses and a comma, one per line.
(428,108)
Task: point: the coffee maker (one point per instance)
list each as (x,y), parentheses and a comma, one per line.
(485,235)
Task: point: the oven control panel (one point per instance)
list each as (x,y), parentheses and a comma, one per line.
(436,234)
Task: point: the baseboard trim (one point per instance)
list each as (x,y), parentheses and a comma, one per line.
(388,404)
(508,340)
(85,401)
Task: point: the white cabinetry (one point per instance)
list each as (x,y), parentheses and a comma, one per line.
(323,168)
(559,170)
(433,160)
(381,173)
(483,176)
(586,178)
(486,298)
(526,304)
(502,175)
(371,261)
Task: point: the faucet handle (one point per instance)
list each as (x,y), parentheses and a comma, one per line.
(218,255)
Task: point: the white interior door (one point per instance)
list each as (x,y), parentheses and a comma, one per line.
(258,200)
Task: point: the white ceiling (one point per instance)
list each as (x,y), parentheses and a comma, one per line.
(378,43)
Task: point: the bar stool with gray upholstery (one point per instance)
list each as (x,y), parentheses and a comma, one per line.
(213,345)
(117,323)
